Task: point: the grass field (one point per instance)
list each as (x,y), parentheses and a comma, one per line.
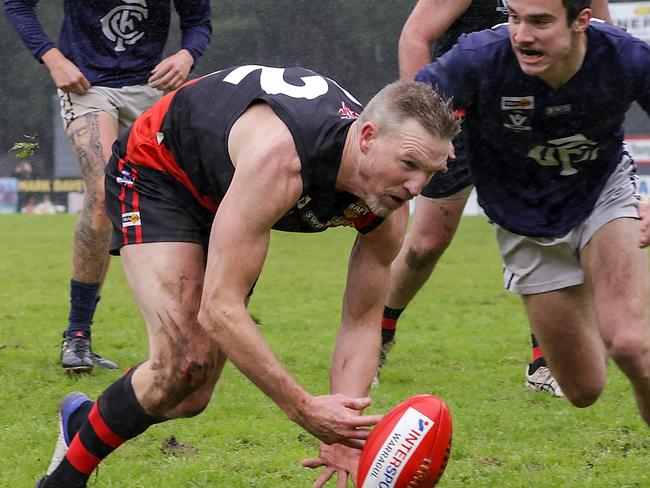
(463,338)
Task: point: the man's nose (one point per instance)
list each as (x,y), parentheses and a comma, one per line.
(523,33)
(416,183)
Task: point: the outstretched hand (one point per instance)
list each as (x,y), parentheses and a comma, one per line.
(338,460)
(644,214)
(334,419)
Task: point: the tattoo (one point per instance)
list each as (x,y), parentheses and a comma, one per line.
(93,230)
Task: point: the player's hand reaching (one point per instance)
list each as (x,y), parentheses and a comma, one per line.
(333,419)
(644,214)
(64,73)
(337,459)
(171,72)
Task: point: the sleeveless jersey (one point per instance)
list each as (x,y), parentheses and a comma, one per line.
(540,156)
(481,14)
(186,135)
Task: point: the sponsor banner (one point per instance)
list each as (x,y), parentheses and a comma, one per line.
(633,17)
(46,196)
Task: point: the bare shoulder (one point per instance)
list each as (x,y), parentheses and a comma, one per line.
(260,135)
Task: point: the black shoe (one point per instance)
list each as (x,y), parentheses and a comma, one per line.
(41,483)
(76,356)
(102,362)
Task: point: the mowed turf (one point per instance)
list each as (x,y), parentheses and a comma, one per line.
(464,339)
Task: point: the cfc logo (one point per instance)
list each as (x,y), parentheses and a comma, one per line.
(565,152)
(120,24)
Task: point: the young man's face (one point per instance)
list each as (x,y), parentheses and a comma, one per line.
(398,165)
(543,41)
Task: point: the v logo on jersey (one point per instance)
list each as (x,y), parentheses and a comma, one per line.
(518,122)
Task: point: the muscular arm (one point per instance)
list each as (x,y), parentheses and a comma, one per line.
(355,355)
(427,22)
(266,184)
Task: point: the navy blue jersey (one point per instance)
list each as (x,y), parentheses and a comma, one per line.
(481,14)
(540,156)
(186,134)
(114,43)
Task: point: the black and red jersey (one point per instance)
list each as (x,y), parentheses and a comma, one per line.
(186,133)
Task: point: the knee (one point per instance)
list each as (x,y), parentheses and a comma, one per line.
(630,352)
(419,258)
(583,396)
(177,383)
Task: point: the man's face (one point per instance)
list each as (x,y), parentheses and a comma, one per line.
(541,38)
(398,164)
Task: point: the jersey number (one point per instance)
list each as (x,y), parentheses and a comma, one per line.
(272,82)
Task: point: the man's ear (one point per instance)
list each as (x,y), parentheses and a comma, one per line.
(368,134)
(582,20)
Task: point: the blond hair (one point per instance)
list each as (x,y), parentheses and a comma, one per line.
(415,100)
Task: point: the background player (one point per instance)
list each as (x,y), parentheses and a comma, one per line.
(544,128)
(437,24)
(108,69)
(194,188)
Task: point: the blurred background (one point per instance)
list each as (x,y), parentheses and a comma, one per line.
(352,41)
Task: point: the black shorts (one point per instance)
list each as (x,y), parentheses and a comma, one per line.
(147,205)
(456,178)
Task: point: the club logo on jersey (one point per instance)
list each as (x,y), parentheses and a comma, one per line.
(518,122)
(125,179)
(353,214)
(303,201)
(356,210)
(556,110)
(347,113)
(517,103)
(120,24)
(129,219)
(517,115)
(565,152)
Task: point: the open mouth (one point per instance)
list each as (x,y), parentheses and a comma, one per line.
(530,54)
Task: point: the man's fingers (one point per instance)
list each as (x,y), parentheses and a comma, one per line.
(366,420)
(353,443)
(357,403)
(342,481)
(324,478)
(312,463)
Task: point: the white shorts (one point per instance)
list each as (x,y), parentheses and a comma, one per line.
(540,264)
(125,103)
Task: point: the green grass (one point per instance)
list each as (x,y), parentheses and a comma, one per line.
(463,338)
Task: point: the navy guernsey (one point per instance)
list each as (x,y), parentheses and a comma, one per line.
(114,43)
(540,156)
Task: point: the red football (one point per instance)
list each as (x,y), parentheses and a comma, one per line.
(409,448)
